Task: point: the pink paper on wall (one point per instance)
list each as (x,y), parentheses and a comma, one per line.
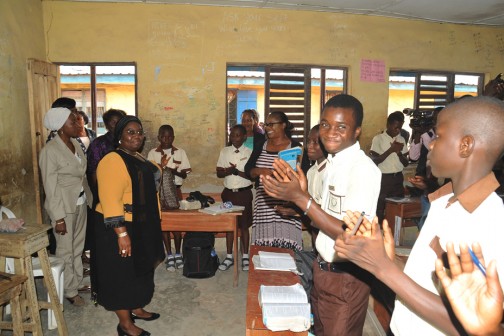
(372,71)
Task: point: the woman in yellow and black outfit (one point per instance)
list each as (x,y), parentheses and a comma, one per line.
(128,230)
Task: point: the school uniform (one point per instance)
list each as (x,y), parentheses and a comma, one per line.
(237,190)
(340,294)
(315,177)
(474,217)
(177,159)
(391,168)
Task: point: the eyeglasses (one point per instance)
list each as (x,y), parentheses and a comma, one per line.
(272,123)
(133,132)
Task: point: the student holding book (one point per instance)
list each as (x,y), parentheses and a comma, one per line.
(468,142)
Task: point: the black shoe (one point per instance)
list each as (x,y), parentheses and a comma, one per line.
(154,316)
(121,332)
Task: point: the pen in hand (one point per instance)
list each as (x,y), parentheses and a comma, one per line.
(477,262)
(359,222)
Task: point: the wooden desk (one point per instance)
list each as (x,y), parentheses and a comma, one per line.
(20,246)
(254,322)
(10,290)
(396,212)
(193,220)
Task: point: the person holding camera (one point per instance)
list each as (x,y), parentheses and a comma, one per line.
(423,179)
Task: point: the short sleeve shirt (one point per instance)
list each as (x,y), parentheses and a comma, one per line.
(450,224)
(381,143)
(315,177)
(351,182)
(177,159)
(236,156)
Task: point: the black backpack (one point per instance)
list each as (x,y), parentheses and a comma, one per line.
(200,259)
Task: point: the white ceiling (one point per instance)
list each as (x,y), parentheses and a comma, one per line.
(477,12)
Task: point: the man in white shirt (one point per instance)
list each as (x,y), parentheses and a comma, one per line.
(340,294)
(388,151)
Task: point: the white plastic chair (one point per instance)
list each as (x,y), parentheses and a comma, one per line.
(57,267)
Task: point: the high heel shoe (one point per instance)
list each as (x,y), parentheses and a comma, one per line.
(121,332)
(154,316)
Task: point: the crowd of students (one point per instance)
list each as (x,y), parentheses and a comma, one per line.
(343,184)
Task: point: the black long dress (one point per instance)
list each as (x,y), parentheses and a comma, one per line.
(128,283)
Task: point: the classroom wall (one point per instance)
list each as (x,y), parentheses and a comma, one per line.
(21,37)
(181,52)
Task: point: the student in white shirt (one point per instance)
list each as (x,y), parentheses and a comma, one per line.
(340,295)
(316,173)
(468,143)
(388,151)
(237,190)
(171,157)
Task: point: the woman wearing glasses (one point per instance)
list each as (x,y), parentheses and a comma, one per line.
(128,229)
(269,228)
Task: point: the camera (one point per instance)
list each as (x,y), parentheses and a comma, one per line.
(420,118)
(499,79)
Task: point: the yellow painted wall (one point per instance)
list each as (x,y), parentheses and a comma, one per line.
(181,52)
(21,37)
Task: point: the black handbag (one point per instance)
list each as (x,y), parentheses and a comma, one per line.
(168,191)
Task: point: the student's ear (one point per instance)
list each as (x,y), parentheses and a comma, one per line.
(357,133)
(466,146)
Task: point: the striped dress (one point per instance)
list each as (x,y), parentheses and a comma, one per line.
(268,227)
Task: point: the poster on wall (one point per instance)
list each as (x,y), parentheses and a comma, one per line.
(372,71)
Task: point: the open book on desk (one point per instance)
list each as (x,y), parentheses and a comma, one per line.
(285,308)
(274,261)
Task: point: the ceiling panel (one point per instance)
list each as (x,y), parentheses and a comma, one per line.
(482,12)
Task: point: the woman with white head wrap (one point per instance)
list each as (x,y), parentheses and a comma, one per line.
(63,170)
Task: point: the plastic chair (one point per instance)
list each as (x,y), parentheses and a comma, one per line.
(57,267)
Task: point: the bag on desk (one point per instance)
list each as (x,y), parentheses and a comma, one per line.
(168,191)
(200,259)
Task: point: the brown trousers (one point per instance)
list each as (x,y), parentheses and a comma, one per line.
(391,186)
(339,301)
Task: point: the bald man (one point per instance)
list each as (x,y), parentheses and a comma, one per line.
(468,142)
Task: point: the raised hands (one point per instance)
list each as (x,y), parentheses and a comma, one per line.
(285,183)
(368,249)
(476,300)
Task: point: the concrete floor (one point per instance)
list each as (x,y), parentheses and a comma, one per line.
(189,307)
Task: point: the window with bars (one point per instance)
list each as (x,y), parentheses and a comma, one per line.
(300,91)
(426,90)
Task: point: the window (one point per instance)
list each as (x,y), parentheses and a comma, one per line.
(299,91)
(98,87)
(426,90)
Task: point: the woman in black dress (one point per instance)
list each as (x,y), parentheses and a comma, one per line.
(128,230)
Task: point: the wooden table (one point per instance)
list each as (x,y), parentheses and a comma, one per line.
(398,210)
(10,290)
(193,220)
(256,278)
(20,246)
